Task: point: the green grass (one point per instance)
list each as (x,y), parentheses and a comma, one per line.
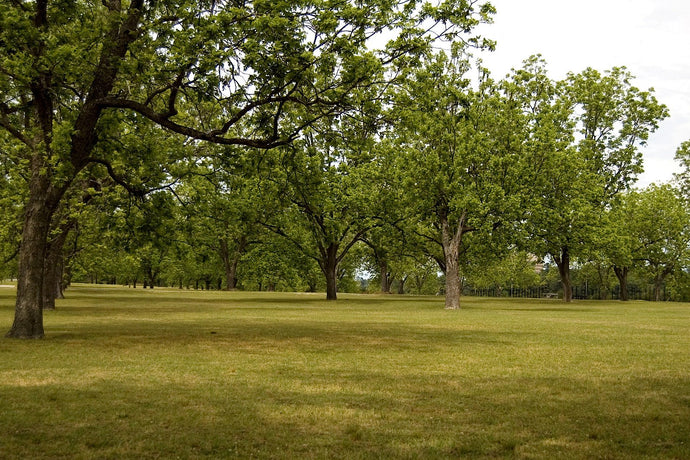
(180,374)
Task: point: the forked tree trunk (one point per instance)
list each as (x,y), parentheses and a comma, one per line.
(622,275)
(451,240)
(563,263)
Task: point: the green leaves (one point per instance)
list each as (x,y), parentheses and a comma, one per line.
(613,121)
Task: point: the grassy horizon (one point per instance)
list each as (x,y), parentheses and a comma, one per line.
(126,373)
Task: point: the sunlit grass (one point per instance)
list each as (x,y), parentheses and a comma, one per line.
(183,374)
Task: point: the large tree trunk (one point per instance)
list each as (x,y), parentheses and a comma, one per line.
(451,250)
(563,263)
(622,275)
(329,267)
(385,276)
(28,313)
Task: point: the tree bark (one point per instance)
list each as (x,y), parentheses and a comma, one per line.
(385,276)
(28,313)
(563,263)
(329,267)
(53,270)
(658,282)
(451,250)
(622,275)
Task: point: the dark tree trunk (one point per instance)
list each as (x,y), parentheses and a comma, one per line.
(61,284)
(53,270)
(329,267)
(563,263)
(603,282)
(311,286)
(43,196)
(622,275)
(28,313)
(658,282)
(380,256)
(230,261)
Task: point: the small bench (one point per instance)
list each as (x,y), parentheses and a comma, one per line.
(551,295)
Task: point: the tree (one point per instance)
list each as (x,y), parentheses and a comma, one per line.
(462,161)
(222,204)
(387,257)
(330,203)
(212,71)
(683,177)
(661,231)
(608,122)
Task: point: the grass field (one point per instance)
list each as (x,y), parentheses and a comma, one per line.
(180,374)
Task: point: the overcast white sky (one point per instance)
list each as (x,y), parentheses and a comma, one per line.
(649,37)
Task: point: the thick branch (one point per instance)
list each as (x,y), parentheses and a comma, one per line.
(254,105)
(118,40)
(164,121)
(11,257)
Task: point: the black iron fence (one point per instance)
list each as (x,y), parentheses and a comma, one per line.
(583,292)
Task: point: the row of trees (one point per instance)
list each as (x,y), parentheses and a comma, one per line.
(144,140)
(161,242)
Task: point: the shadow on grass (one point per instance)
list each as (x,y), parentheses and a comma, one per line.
(255,333)
(372,414)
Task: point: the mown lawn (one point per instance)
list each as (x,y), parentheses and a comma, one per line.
(126,373)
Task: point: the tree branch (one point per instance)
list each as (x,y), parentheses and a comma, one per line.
(138,192)
(7,124)
(213,136)
(12,256)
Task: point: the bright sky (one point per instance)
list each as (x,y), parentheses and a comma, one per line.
(650,38)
